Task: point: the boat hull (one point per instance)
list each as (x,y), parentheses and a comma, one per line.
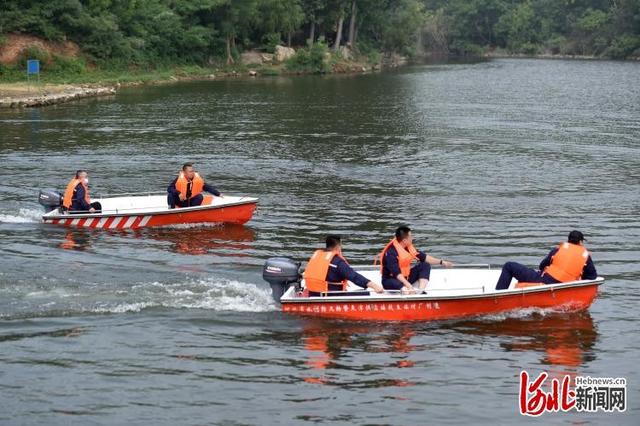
(236,214)
(424,308)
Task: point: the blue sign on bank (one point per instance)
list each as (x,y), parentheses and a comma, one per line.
(33,66)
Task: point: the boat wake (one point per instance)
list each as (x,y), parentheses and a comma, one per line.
(524,313)
(203,294)
(211,294)
(24,216)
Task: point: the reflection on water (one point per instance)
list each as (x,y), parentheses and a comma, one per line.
(76,239)
(228,240)
(223,240)
(327,342)
(564,341)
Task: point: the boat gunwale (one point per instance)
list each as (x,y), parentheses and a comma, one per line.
(46,217)
(426,297)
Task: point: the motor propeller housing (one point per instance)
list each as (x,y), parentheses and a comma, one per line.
(280,273)
(50,199)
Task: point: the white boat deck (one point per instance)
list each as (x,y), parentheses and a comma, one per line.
(444,283)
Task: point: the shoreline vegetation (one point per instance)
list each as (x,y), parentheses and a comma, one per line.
(52,91)
(91,48)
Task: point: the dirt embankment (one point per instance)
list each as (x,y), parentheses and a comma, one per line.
(16,95)
(14,44)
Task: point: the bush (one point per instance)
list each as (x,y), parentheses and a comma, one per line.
(529,49)
(33,52)
(269,72)
(623,46)
(465,48)
(310,60)
(557,45)
(270,41)
(67,65)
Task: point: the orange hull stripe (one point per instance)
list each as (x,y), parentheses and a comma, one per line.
(576,298)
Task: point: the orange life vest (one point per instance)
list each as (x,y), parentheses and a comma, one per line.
(568,262)
(405,256)
(182,184)
(67,200)
(315,274)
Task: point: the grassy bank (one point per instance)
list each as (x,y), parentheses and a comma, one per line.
(109,76)
(71,75)
(313,60)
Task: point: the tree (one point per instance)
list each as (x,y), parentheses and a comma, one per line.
(280,16)
(234,17)
(352,25)
(518,28)
(314,11)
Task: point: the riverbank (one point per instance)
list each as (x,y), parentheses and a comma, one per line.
(503,54)
(21,95)
(56,88)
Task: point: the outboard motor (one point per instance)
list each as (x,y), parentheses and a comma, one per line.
(50,199)
(280,273)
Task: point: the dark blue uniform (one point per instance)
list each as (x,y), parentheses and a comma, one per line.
(522,273)
(79,204)
(173,197)
(340,270)
(391,269)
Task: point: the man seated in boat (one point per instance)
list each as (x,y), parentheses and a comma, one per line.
(396,259)
(328,271)
(569,261)
(76,198)
(186,189)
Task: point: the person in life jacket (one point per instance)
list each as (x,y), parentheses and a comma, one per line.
(569,261)
(327,271)
(76,198)
(396,259)
(186,189)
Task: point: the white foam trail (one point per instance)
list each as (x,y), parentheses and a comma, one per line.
(124,307)
(23,216)
(522,313)
(203,294)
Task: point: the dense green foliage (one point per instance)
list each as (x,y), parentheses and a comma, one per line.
(139,32)
(311,59)
(606,28)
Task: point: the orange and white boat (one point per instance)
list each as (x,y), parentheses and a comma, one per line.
(132,211)
(452,293)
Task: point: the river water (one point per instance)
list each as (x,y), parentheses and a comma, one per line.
(487,162)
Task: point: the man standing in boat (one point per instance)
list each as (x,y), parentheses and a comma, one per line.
(76,198)
(396,259)
(186,189)
(570,261)
(327,271)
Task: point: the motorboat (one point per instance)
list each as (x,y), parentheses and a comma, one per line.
(463,291)
(139,210)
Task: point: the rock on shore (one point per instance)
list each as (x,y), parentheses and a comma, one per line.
(24,99)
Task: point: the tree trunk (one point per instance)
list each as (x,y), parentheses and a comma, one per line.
(336,45)
(312,33)
(229,55)
(289,39)
(420,43)
(352,25)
